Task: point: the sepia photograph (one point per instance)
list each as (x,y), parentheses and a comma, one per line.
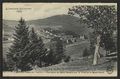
(59,39)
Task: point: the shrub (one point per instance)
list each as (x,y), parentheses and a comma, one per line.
(86,52)
(67,59)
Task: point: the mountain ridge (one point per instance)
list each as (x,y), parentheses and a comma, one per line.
(61,22)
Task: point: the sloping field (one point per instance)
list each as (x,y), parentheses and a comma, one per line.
(77,62)
(76,50)
(78,65)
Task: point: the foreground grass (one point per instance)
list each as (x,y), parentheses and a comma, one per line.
(78,65)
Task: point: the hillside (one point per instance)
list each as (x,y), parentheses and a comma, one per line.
(62,22)
(59,22)
(8,26)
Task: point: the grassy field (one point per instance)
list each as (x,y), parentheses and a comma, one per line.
(76,50)
(77,65)
(77,62)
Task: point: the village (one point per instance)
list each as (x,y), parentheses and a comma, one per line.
(66,38)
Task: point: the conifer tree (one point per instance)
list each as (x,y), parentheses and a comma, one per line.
(37,48)
(57,50)
(33,52)
(20,42)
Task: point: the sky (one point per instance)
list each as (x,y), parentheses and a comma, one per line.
(32,11)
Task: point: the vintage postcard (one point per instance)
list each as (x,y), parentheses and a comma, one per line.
(60,39)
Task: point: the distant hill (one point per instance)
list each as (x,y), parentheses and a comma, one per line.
(62,22)
(8,26)
(59,22)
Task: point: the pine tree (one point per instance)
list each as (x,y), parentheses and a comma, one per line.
(21,37)
(57,50)
(37,48)
(21,40)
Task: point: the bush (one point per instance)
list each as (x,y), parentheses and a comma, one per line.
(67,59)
(86,52)
(56,50)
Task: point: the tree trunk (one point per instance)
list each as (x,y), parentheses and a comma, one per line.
(96,54)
